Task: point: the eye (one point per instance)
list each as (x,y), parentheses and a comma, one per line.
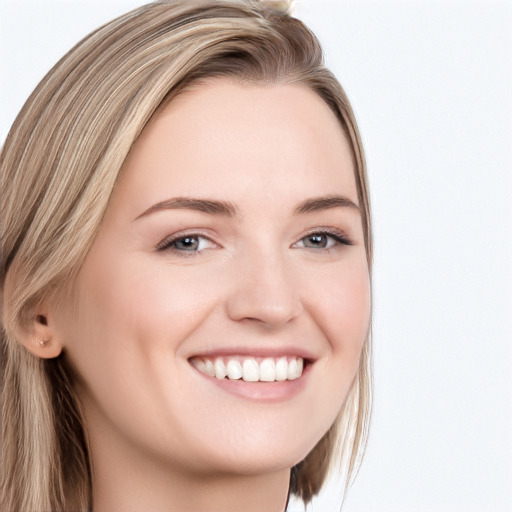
(192,243)
(323,240)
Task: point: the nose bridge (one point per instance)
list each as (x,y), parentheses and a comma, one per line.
(265,289)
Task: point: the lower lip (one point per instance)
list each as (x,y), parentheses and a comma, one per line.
(261,391)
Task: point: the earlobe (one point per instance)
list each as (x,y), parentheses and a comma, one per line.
(42,340)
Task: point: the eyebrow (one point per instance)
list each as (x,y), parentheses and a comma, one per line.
(210,206)
(318,204)
(229,209)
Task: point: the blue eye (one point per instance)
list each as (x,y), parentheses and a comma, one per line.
(318,241)
(323,240)
(185,244)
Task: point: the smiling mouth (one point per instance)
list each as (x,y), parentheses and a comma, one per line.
(251,369)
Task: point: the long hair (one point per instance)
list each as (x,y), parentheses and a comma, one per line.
(59,165)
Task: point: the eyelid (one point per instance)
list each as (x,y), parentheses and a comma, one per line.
(339,236)
(167,242)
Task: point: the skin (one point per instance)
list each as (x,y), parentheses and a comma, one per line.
(162,435)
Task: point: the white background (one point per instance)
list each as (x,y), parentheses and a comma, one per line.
(430,82)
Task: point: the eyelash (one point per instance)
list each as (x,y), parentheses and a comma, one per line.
(166,244)
(339,237)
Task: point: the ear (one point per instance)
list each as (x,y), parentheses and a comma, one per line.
(41,338)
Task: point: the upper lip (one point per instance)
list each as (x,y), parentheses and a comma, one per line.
(257,351)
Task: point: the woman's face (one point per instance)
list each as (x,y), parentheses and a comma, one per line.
(233,239)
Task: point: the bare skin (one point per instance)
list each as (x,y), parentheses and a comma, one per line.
(233,233)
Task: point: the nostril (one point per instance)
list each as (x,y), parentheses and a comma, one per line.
(266,309)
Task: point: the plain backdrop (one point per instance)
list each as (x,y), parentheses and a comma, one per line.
(430,82)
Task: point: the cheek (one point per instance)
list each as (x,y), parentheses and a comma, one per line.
(344,309)
(355,305)
(339,303)
(143,305)
(128,323)
(122,336)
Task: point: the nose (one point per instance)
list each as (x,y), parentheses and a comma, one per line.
(264,291)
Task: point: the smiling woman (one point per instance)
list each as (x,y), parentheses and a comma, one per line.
(186,261)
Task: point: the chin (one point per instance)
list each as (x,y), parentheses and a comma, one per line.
(258,454)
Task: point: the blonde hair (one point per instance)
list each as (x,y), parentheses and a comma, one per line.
(59,165)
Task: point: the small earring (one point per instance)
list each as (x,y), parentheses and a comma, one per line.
(42,343)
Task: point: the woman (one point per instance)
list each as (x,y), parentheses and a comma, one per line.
(186,264)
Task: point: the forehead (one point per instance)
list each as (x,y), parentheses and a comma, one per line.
(243,141)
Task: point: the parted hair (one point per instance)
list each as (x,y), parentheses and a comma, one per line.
(59,165)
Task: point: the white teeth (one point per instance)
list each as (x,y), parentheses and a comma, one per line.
(220,368)
(234,370)
(251,369)
(281,369)
(300,366)
(292,370)
(209,368)
(199,364)
(268,370)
